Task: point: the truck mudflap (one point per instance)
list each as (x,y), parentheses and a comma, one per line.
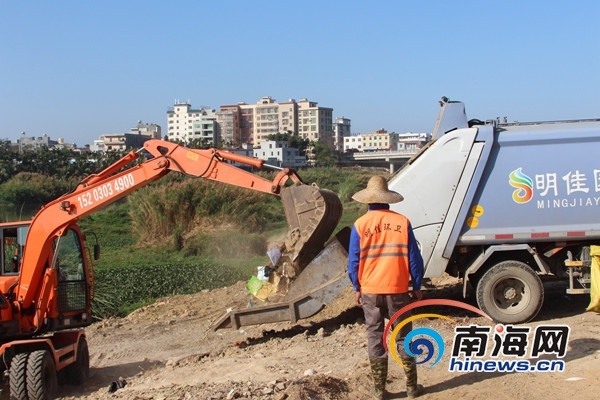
(323,279)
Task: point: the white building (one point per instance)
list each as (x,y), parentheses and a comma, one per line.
(341,130)
(353,143)
(410,141)
(382,140)
(279,154)
(185,124)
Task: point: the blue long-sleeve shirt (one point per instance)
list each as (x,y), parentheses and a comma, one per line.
(415,259)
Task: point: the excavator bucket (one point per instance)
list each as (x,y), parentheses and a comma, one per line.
(305,274)
(312,215)
(320,282)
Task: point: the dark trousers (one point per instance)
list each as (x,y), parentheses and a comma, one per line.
(378,307)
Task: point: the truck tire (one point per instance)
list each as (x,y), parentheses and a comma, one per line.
(41,376)
(18,377)
(510,292)
(78,372)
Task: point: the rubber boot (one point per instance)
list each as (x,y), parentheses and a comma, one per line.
(413,389)
(379,370)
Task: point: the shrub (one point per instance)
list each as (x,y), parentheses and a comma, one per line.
(119,288)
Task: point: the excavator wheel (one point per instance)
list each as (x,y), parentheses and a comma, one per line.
(78,372)
(41,376)
(18,377)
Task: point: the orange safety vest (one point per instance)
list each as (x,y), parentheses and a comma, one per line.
(383,267)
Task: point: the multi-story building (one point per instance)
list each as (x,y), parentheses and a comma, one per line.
(410,141)
(288,117)
(185,124)
(253,123)
(278,153)
(266,119)
(380,140)
(125,141)
(353,143)
(228,125)
(25,143)
(341,130)
(152,130)
(315,123)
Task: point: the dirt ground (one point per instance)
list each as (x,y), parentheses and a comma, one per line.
(167,351)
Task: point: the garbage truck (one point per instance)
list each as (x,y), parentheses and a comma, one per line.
(505,206)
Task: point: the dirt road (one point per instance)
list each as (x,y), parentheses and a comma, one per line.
(167,351)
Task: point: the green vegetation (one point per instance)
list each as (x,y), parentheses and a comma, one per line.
(179,234)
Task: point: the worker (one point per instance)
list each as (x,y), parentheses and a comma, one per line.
(383,256)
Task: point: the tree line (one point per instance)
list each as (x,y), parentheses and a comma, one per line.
(63,163)
(33,177)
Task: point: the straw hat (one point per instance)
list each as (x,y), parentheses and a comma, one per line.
(377,192)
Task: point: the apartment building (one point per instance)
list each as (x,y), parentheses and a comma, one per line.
(382,140)
(26,143)
(228,125)
(185,124)
(154,131)
(341,130)
(252,123)
(314,122)
(134,139)
(122,141)
(411,141)
(353,143)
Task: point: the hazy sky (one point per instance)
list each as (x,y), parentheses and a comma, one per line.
(79,69)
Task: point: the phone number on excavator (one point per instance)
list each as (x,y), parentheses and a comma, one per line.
(105,191)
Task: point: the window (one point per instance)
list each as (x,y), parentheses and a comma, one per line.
(73,290)
(13,240)
(69,260)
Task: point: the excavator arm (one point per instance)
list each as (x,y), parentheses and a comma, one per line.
(312,213)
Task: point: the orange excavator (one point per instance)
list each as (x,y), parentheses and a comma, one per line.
(47,279)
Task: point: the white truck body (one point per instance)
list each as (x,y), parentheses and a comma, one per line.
(503,205)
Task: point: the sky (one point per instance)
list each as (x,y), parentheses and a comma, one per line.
(80,69)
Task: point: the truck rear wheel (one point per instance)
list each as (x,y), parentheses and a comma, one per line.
(510,292)
(41,376)
(18,377)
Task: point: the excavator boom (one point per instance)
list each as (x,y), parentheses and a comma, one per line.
(312,213)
